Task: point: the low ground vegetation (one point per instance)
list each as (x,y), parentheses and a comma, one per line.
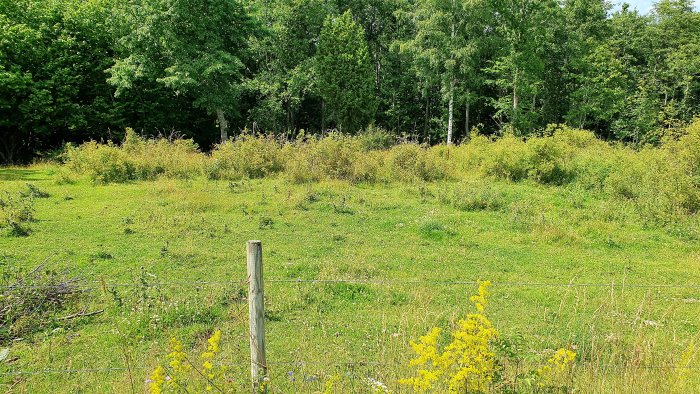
(159,244)
(661,182)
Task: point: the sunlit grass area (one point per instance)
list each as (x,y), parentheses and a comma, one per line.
(166,258)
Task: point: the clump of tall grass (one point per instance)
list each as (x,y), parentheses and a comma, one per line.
(244,157)
(410,162)
(331,157)
(136,158)
(16,212)
(474,195)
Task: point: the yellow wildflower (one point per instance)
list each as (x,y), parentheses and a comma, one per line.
(330,383)
(208,356)
(557,367)
(683,367)
(479,300)
(467,363)
(177,360)
(156,380)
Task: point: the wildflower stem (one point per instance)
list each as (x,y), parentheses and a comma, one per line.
(203,375)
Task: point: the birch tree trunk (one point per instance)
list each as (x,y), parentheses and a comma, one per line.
(515,98)
(466,120)
(451,104)
(223,125)
(515,92)
(450,110)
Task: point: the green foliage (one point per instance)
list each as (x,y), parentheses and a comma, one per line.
(445,49)
(506,158)
(16,212)
(245,157)
(284,60)
(345,76)
(191,47)
(136,159)
(416,69)
(411,162)
(52,84)
(376,138)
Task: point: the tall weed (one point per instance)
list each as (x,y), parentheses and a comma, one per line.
(245,157)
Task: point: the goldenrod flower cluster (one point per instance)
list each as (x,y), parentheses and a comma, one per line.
(177,361)
(178,376)
(156,381)
(208,357)
(557,367)
(467,364)
(683,369)
(330,385)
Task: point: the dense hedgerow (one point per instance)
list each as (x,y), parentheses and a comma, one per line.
(662,182)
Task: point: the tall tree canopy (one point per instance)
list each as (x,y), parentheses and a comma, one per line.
(346,78)
(195,48)
(427,70)
(447,46)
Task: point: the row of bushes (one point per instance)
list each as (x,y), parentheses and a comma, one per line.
(663,181)
(136,159)
(355,159)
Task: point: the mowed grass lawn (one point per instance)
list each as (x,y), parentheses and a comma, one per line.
(401,242)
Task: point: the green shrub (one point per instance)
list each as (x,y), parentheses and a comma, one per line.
(301,166)
(626,176)
(546,161)
(331,157)
(590,168)
(34,192)
(16,212)
(136,159)
(151,158)
(662,183)
(375,138)
(368,168)
(576,138)
(506,158)
(102,163)
(410,162)
(245,157)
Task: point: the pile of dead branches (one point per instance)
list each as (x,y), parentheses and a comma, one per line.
(31,302)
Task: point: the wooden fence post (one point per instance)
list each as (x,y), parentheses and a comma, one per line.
(258,365)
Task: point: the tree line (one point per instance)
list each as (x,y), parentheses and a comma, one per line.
(429,70)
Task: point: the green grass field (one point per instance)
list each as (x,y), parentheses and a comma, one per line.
(398,241)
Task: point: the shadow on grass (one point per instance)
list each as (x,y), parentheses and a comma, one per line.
(21,174)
